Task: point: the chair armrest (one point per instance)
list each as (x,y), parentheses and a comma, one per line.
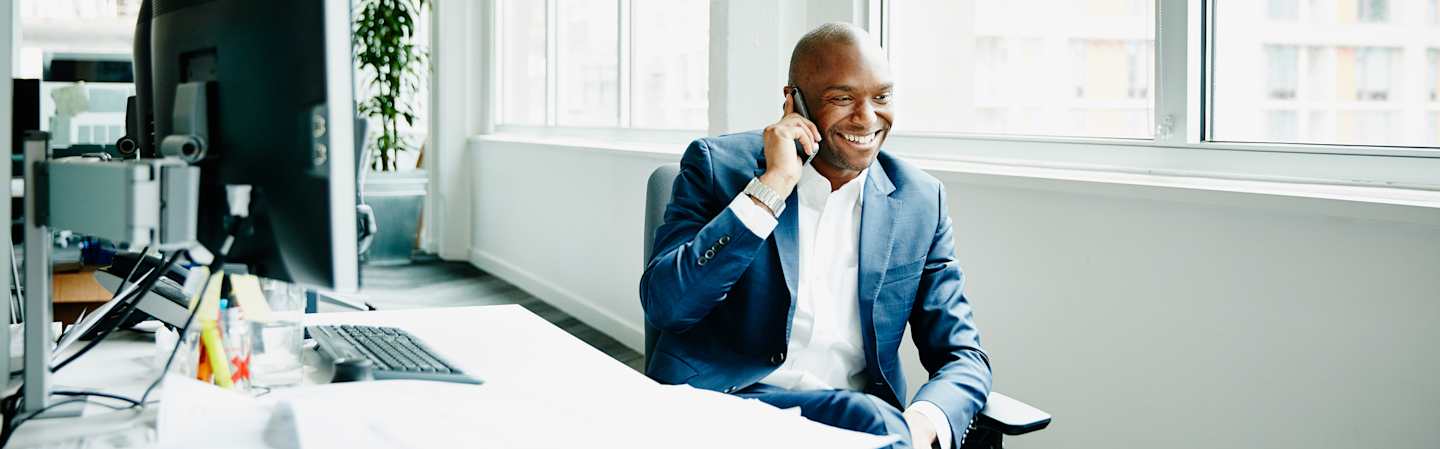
(1011,417)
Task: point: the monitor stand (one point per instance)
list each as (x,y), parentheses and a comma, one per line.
(38,342)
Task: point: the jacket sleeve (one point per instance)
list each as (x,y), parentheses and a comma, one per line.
(700,251)
(946,337)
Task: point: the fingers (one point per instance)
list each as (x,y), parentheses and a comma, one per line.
(810,127)
(808,135)
(807,142)
(807,132)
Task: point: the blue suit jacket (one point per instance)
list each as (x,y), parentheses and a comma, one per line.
(723,299)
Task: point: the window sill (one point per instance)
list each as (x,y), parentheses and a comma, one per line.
(1420,205)
(1362,194)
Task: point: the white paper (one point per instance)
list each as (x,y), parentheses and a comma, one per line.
(416,414)
(195,414)
(398,414)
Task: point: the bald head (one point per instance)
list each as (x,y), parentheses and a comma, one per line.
(847,87)
(805,59)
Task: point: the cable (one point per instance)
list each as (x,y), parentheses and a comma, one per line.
(121,288)
(144,254)
(179,339)
(11,427)
(215,267)
(11,405)
(129,305)
(133,403)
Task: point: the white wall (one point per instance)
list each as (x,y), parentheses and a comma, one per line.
(1139,316)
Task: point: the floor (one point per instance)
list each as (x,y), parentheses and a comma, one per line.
(458,284)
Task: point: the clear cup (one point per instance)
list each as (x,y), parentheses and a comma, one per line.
(237,343)
(276,345)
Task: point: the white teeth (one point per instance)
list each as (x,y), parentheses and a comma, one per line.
(863,140)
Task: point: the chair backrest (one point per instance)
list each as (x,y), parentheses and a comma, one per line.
(657,197)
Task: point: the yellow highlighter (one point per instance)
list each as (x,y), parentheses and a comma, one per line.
(219,363)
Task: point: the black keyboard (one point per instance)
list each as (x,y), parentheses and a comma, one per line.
(393,353)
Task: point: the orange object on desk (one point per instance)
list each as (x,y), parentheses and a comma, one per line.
(75,292)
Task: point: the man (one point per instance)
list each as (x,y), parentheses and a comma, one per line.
(791,282)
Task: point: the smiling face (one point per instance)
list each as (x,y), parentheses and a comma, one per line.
(847,87)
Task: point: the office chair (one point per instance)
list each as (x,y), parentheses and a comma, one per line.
(1002,415)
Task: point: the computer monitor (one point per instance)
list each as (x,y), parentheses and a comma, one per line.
(280,114)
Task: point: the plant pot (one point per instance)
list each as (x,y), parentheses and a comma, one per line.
(397,198)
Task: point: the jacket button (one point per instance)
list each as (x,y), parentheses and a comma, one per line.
(730,389)
(710,253)
(725,239)
(777,358)
(702,261)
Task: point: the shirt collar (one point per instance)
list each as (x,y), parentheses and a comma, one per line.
(814,187)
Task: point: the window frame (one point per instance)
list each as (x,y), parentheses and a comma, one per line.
(624,66)
(1184,38)
(1182,157)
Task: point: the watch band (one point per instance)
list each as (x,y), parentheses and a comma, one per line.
(766,195)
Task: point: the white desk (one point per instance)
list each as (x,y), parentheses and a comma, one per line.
(543,388)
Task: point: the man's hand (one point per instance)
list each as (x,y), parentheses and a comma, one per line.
(922,431)
(782,165)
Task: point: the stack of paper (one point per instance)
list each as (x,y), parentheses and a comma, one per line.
(406,414)
(195,414)
(417,414)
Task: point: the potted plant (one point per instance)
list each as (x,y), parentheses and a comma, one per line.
(391,69)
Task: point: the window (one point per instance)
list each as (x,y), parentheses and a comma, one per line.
(1321,85)
(522,63)
(1282,125)
(668,57)
(1373,71)
(1373,11)
(604,63)
(78,107)
(1084,68)
(1284,10)
(1282,62)
(587,63)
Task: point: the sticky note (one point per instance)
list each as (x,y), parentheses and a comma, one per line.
(246,290)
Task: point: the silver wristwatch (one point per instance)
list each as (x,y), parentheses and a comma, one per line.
(766,195)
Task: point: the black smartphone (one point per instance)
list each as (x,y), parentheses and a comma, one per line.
(799,102)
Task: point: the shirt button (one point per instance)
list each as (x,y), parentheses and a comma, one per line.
(777,358)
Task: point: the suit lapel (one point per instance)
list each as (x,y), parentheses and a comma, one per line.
(877,223)
(786,243)
(786,236)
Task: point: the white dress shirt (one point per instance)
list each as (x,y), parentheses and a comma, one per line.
(826,349)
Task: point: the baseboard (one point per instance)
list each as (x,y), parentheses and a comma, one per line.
(630,335)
